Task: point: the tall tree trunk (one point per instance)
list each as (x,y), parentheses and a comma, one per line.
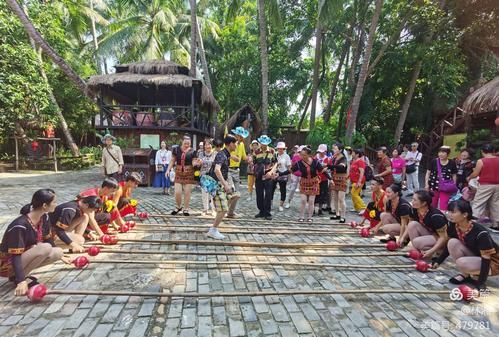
(47,49)
(392,39)
(412,84)
(94,39)
(192,71)
(407,100)
(64,126)
(327,110)
(262,23)
(204,62)
(363,72)
(315,78)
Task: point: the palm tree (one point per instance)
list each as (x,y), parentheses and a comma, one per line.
(194,36)
(47,49)
(326,10)
(264,59)
(363,72)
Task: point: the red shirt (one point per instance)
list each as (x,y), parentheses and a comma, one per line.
(355,170)
(324,162)
(94,192)
(488,174)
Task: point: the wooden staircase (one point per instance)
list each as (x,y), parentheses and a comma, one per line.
(452,122)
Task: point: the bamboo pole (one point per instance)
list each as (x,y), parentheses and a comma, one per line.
(331,222)
(258,263)
(240,231)
(248,293)
(245,253)
(256,244)
(257,227)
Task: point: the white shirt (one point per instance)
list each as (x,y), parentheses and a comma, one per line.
(412,156)
(163,157)
(283,162)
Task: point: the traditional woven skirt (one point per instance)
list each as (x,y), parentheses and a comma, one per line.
(185,176)
(494,266)
(310,186)
(6,267)
(340,182)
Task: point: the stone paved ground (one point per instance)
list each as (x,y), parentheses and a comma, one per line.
(298,315)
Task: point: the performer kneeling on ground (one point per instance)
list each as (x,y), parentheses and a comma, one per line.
(376,207)
(224,197)
(22,249)
(70,219)
(428,230)
(396,216)
(309,182)
(470,246)
(108,212)
(122,198)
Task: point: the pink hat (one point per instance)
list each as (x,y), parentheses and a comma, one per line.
(280,145)
(322,148)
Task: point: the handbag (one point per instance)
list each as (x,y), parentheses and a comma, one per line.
(369,174)
(410,168)
(446,186)
(413,167)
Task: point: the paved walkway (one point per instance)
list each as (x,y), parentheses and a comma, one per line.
(297,315)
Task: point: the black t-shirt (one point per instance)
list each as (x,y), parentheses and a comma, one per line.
(189,156)
(434,220)
(62,217)
(447,172)
(222,159)
(404,208)
(338,165)
(20,235)
(308,171)
(478,240)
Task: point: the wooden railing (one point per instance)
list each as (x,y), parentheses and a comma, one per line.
(152,116)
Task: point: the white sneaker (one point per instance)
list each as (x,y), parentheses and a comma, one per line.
(286,205)
(215,234)
(281,208)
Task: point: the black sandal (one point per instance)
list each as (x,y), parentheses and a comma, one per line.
(390,238)
(342,220)
(186,212)
(34,281)
(176,211)
(466,279)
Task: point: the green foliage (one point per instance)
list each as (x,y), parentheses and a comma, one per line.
(451,44)
(23,95)
(323,133)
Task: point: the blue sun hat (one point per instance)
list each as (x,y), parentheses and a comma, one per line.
(264,140)
(209,185)
(240,131)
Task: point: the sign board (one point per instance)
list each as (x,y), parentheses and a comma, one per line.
(452,140)
(149,140)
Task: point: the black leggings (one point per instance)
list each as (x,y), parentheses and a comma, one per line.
(282,188)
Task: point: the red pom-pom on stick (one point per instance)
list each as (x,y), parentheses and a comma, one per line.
(80,262)
(422,266)
(392,245)
(93,251)
(37,292)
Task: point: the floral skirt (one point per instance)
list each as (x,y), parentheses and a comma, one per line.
(310,186)
(185,176)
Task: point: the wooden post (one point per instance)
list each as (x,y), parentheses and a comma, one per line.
(55,154)
(17,154)
(193,103)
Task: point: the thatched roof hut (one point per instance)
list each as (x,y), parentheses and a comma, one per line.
(245,117)
(485,99)
(152,82)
